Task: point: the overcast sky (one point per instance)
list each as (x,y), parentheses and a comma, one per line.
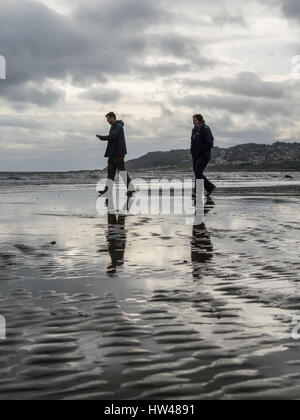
(155,63)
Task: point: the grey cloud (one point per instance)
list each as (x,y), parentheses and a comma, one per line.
(100,39)
(172,44)
(180,46)
(12,121)
(119,15)
(249,84)
(225,18)
(291,8)
(38,43)
(30,93)
(247,135)
(148,41)
(102,95)
(246,84)
(234,104)
(166,69)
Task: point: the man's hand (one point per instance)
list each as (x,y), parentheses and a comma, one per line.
(99,137)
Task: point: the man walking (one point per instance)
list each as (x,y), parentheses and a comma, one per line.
(116,152)
(202,144)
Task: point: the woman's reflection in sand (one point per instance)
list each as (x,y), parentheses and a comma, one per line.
(202,247)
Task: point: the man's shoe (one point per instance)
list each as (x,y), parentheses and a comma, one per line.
(210,192)
(111,269)
(210,202)
(101,193)
(131,193)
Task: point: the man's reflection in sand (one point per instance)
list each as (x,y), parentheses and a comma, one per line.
(202,248)
(116,241)
(116,238)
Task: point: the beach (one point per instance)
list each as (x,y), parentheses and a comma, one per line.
(192,311)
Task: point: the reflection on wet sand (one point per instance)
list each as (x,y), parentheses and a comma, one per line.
(116,240)
(152,332)
(116,235)
(202,247)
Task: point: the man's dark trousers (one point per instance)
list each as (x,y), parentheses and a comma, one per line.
(117,164)
(200,162)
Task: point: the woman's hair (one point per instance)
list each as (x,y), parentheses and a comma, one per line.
(200,118)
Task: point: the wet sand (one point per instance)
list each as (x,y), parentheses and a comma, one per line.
(192,312)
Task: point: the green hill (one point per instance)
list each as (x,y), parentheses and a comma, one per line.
(279,156)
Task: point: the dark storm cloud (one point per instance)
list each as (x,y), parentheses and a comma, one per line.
(89,46)
(149,45)
(38,43)
(118,15)
(129,34)
(31,93)
(291,8)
